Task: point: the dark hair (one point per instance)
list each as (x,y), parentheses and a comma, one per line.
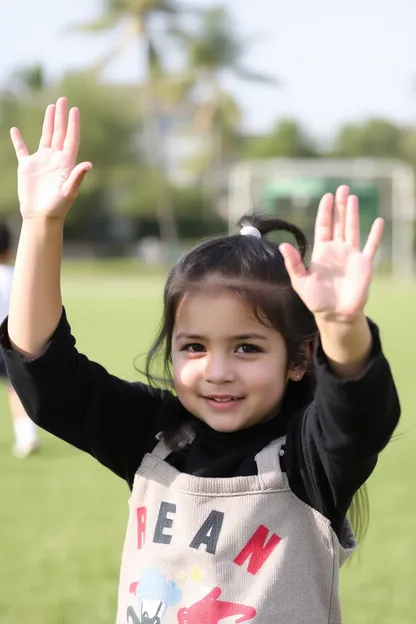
(253,269)
(5,238)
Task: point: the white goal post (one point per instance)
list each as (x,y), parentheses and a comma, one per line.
(248,178)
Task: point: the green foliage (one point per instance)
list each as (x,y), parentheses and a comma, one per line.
(14,112)
(114,11)
(215,46)
(110,125)
(110,136)
(287,139)
(375,137)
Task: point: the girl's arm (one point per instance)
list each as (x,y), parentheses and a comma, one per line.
(61,390)
(48,182)
(36,304)
(80,402)
(347,345)
(333,447)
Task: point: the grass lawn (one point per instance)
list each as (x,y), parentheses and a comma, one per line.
(62,515)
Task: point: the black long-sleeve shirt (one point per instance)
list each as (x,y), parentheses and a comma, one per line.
(331,448)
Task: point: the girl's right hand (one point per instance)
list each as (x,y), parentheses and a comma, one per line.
(49,179)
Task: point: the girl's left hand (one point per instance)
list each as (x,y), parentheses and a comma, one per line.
(335,286)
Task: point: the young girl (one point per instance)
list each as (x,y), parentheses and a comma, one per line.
(241,481)
(25,436)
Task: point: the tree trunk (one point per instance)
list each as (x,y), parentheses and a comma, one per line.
(154,153)
(216,160)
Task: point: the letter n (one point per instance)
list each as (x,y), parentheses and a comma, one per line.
(257,549)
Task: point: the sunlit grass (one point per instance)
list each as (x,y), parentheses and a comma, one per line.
(63,516)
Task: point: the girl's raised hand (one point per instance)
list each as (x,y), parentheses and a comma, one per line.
(49,179)
(336,285)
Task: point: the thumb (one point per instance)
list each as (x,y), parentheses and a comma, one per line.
(294,265)
(72,185)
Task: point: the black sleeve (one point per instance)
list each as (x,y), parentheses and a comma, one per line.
(332,448)
(80,402)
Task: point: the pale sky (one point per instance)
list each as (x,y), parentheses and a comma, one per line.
(340,61)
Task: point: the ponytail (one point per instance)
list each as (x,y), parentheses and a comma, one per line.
(266,225)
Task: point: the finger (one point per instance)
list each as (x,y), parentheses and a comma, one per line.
(374,238)
(48,126)
(18,144)
(71,187)
(323,223)
(293,263)
(352,222)
(340,207)
(60,124)
(72,139)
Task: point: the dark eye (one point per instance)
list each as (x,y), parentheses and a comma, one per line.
(248,348)
(194,347)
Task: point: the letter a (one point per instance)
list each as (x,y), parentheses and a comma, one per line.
(209,532)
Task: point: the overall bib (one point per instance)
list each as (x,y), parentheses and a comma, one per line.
(226,550)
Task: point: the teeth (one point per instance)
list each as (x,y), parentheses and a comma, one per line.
(222,400)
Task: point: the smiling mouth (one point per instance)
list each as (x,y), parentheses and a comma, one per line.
(223,399)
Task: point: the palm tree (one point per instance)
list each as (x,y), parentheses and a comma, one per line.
(213,51)
(136,16)
(30,79)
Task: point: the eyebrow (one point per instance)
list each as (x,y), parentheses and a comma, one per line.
(237,337)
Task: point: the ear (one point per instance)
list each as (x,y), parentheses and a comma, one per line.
(296,373)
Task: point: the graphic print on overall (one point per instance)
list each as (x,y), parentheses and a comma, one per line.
(154,595)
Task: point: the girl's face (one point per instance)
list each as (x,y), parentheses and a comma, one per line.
(229,370)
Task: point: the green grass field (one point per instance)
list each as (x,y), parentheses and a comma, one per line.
(62,515)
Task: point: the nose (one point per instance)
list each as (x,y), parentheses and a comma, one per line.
(218,369)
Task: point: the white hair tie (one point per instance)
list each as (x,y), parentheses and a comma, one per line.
(250,230)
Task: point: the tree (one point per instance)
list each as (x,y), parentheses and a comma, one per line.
(29,80)
(408,145)
(110,126)
(287,139)
(24,88)
(214,50)
(137,17)
(379,138)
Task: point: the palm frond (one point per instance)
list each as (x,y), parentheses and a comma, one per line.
(254,76)
(105,22)
(121,47)
(115,11)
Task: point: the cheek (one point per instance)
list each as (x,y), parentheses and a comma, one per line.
(185,372)
(266,379)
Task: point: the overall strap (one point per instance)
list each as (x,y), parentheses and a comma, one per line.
(268,465)
(162,450)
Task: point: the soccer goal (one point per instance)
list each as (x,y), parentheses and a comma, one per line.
(292,187)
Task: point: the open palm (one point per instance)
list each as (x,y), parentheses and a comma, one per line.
(337,282)
(49,179)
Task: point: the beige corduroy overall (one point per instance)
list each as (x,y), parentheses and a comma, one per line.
(226,550)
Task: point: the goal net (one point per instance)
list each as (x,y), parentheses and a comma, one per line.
(291,188)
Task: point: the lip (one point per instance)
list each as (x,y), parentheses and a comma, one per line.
(223,397)
(224,405)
